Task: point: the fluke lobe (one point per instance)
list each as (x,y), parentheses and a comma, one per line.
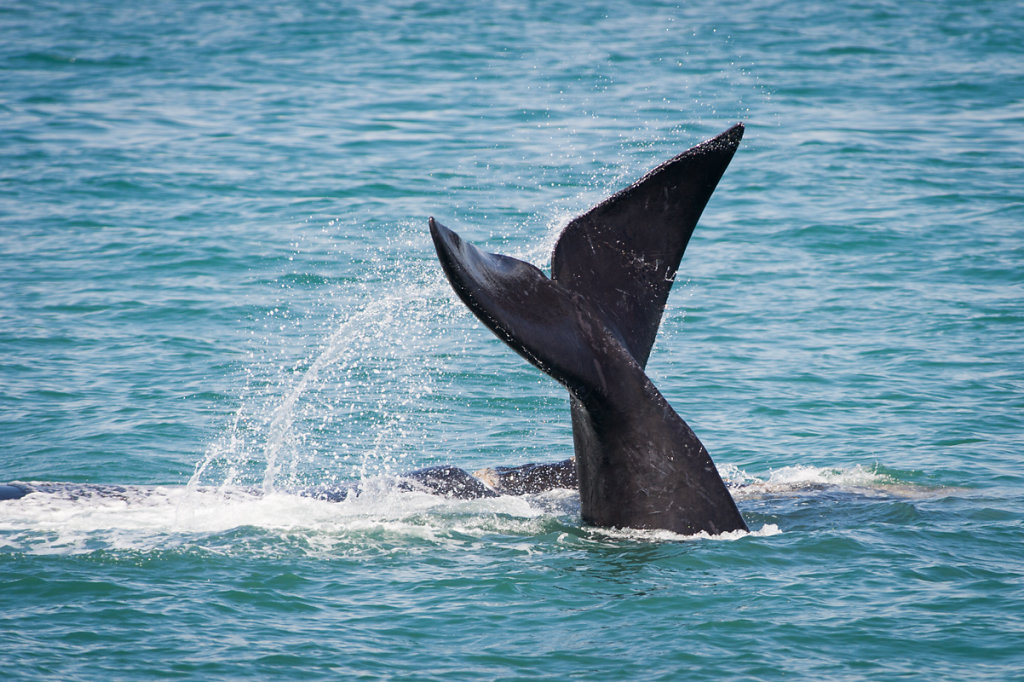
(591,326)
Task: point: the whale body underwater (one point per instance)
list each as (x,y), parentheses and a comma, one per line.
(590,326)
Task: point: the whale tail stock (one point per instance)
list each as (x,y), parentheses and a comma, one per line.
(591,326)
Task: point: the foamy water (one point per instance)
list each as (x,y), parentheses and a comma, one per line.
(147,518)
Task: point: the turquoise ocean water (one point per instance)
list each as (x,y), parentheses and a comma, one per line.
(216,273)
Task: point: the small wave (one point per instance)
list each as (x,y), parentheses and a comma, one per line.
(802,479)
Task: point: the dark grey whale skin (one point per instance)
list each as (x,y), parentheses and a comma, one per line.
(446,481)
(443,480)
(591,326)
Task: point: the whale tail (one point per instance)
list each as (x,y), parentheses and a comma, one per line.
(591,327)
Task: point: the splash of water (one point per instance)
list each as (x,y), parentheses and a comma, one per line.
(356,405)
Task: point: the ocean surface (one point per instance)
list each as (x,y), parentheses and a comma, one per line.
(216,280)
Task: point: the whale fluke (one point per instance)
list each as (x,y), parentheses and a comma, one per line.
(591,326)
(622,254)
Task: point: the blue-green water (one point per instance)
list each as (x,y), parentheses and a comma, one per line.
(216,269)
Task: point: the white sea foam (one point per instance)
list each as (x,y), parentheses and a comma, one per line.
(804,479)
(144,518)
(150,518)
(644,535)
